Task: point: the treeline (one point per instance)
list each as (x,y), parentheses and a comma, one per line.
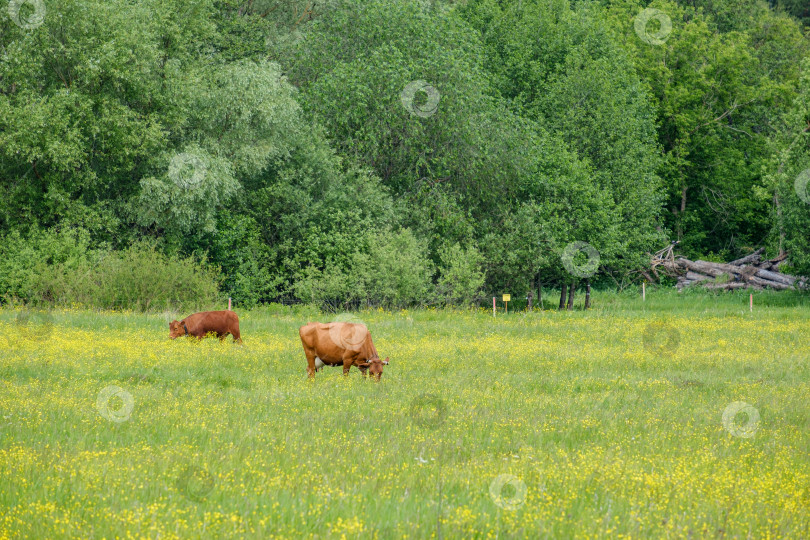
(393,152)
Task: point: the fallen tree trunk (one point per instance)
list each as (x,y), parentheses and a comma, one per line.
(694,276)
(726,286)
(684,283)
(699,268)
(749,271)
(775,276)
(755,256)
(768,283)
(724,268)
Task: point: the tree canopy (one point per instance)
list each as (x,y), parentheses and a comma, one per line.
(400,152)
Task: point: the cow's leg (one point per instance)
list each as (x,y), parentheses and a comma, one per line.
(237,337)
(310,354)
(348,360)
(364,371)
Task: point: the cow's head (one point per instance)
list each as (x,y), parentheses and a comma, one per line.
(375,367)
(176,329)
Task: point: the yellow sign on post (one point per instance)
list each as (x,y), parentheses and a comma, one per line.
(506,299)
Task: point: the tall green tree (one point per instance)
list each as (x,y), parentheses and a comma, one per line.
(561,68)
(715,81)
(787,177)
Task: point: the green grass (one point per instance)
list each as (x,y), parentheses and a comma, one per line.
(608,436)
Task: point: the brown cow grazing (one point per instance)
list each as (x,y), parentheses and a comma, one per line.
(340,344)
(199,324)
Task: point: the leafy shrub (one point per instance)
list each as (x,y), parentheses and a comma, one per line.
(25,260)
(391,269)
(237,248)
(58,267)
(396,271)
(138,278)
(461,281)
(333,287)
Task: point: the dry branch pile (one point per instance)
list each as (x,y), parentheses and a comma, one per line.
(748,272)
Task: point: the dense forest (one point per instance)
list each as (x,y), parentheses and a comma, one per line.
(392,152)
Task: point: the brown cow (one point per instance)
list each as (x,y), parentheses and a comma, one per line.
(199,324)
(340,344)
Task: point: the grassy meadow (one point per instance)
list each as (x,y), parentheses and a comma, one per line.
(684,416)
